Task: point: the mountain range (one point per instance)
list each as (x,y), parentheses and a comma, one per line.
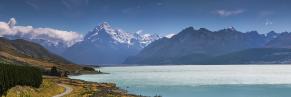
(103,45)
(106,45)
(203,46)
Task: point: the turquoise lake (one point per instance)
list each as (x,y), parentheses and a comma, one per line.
(199,80)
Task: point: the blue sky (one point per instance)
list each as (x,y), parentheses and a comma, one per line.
(151,16)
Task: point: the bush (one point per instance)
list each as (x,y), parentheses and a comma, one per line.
(12,75)
(54,71)
(88,69)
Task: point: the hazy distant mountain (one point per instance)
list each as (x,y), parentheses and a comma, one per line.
(106,45)
(272,35)
(282,40)
(253,56)
(191,46)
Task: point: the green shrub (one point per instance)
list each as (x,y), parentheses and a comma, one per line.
(88,69)
(54,71)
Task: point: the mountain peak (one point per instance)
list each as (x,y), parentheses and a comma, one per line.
(231,28)
(107,34)
(204,29)
(189,28)
(272,32)
(104,25)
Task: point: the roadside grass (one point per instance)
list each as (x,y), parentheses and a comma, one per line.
(80,88)
(47,89)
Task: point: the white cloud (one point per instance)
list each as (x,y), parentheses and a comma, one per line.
(268,22)
(12,22)
(4,28)
(170,35)
(139,31)
(226,13)
(28,32)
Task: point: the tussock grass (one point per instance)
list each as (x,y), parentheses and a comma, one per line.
(47,89)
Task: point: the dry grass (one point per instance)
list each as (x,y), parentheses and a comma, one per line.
(47,89)
(80,89)
(40,63)
(91,89)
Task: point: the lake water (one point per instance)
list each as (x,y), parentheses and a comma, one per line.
(200,80)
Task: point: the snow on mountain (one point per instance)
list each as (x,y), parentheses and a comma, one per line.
(146,39)
(107,45)
(118,36)
(59,41)
(170,35)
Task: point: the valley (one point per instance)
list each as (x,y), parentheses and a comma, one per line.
(145,48)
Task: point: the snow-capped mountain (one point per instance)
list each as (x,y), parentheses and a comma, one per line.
(107,45)
(105,33)
(146,39)
(103,44)
(170,35)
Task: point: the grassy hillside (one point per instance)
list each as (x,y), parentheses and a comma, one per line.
(23,52)
(80,89)
(48,88)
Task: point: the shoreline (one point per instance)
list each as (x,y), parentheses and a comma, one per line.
(126,65)
(104,88)
(110,88)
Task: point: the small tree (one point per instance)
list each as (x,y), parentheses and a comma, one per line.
(54,71)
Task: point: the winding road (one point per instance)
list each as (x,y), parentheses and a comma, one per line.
(68,90)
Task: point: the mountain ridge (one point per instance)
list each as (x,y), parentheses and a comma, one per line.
(205,43)
(106,45)
(23,52)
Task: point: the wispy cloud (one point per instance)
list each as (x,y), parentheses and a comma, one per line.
(74,4)
(75,8)
(139,31)
(266,13)
(32,3)
(268,22)
(226,13)
(54,35)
